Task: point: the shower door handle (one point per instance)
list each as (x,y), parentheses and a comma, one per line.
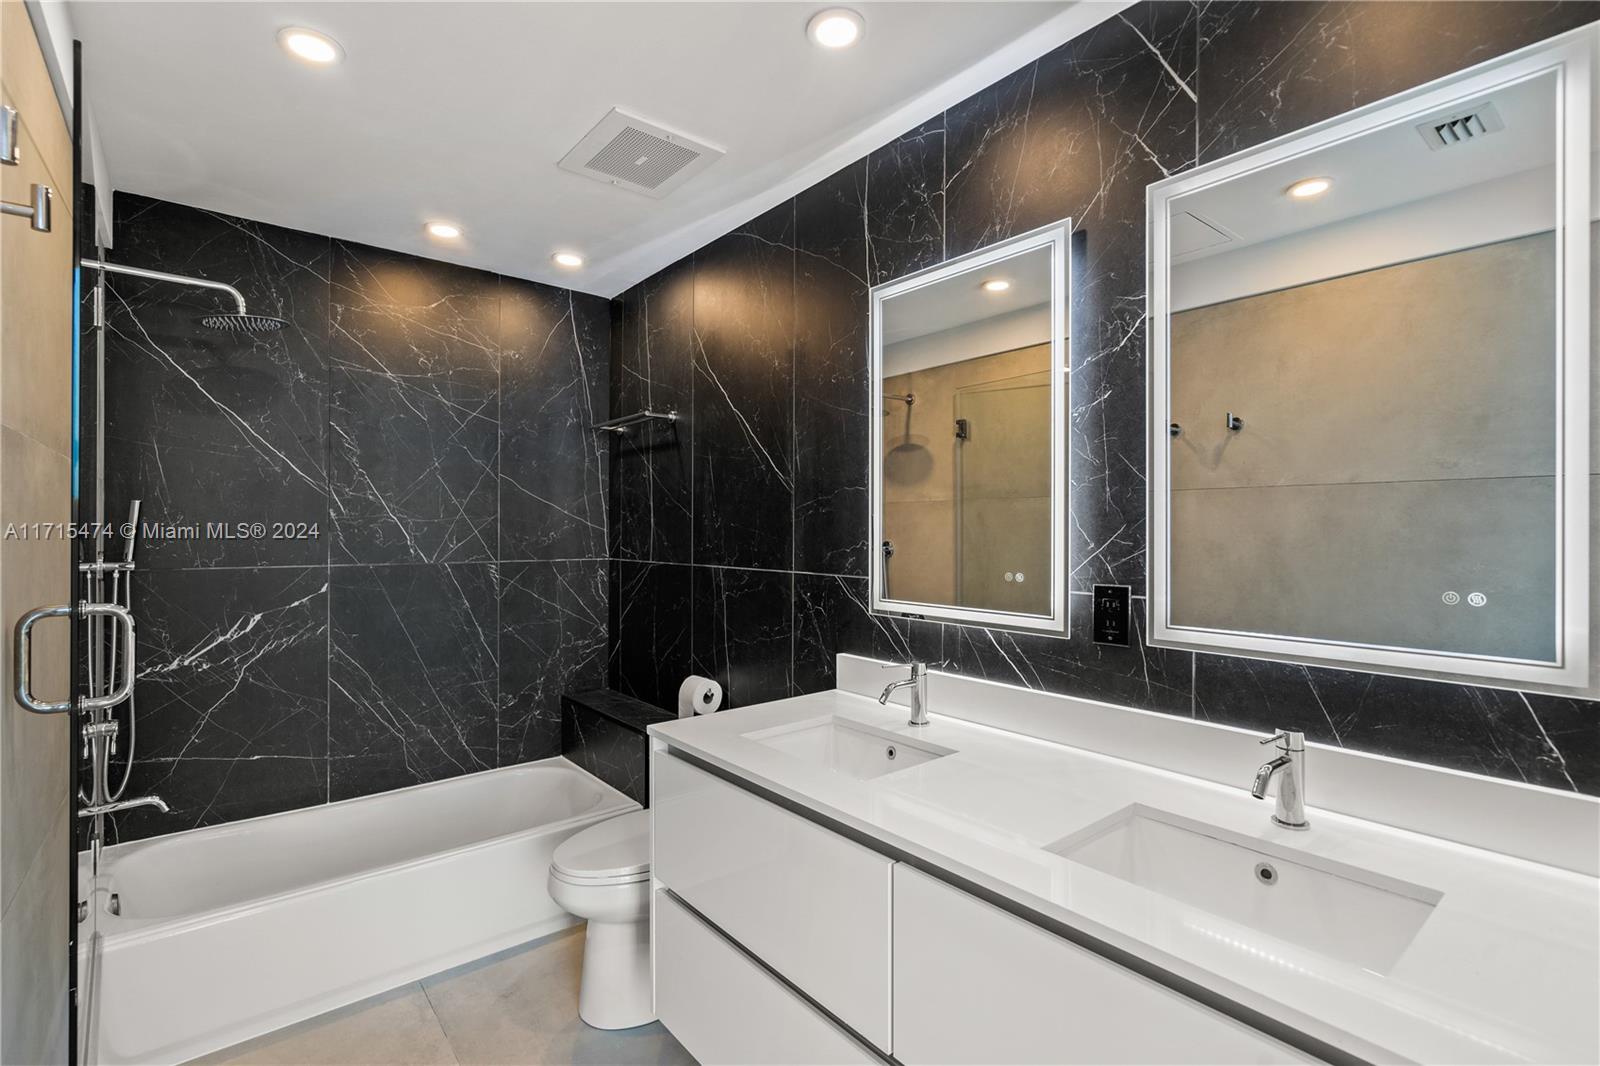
(36,210)
(22,657)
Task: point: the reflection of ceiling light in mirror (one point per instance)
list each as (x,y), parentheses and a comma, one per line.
(1309,188)
(996,285)
(837,27)
(309,45)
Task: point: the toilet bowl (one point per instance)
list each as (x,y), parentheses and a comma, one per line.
(603,875)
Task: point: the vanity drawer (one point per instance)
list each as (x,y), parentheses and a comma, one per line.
(724,1008)
(809,903)
(974,984)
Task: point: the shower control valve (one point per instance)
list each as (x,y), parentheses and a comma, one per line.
(108,729)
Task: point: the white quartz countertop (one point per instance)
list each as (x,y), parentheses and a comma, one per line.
(1505,969)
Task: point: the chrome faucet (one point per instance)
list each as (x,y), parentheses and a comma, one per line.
(918,683)
(1290,770)
(122,805)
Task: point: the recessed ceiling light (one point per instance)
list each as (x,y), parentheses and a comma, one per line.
(1309,188)
(309,45)
(835,27)
(996,285)
(570,260)
(445,231)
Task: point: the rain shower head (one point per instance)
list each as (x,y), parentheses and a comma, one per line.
(242,322)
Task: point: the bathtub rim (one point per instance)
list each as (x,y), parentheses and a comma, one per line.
(136,929)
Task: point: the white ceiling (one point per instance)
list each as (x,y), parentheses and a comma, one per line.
(1378,171)
(461,110)
(962,300)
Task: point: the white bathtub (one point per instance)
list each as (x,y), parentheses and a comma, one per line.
(235,930)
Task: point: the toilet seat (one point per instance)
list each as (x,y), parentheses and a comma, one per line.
(615,852)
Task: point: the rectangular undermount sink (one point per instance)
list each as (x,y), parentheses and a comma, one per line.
(1338,910)
(848,747)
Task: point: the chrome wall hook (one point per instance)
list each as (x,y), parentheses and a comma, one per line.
(1234,423)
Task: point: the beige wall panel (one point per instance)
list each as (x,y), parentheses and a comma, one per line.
(33,970)
(28,88)
(1370,563)
(923,568)
(36,325)
(919,481)
(1007,536)
(1439,368)
(33,573)
(35,446)
(919,443)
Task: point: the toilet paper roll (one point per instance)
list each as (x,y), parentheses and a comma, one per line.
(698,695)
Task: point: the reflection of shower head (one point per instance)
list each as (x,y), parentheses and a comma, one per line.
(907,398)
(243,322)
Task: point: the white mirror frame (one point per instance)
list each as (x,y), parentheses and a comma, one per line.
(1572,57)
(1055,237)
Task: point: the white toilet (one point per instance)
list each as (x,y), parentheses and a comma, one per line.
(603,875)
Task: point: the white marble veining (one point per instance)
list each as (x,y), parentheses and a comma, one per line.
(1506,967)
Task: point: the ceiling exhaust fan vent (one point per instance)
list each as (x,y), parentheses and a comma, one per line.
(1462,127)
(630,153)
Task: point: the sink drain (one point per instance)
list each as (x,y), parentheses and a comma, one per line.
(890,753)
(1266,873)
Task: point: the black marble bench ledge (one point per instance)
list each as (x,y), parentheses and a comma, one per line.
(603,732)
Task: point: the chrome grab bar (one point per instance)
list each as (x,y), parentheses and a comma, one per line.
(22,657)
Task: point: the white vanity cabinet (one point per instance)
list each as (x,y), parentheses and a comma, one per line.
(726,1009)
(808,903)
(974,984)
(780,940)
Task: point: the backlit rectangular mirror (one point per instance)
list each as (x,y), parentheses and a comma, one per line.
(1369,384)
(969,453)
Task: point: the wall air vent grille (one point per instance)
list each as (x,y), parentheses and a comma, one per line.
(631,153)
(1461,127)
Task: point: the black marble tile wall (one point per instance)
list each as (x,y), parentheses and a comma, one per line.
(553,626)
(652,629)
(414,426)
(432,423)
(205,425)
(604,732)
(652,368)
(743,389)
(757,575)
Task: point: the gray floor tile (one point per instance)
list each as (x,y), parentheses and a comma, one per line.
(517,1007)
(397,1028)
(521,1006)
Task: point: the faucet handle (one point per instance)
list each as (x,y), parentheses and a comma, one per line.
(1290,739)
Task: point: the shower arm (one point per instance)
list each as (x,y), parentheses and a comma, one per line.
(158,275)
